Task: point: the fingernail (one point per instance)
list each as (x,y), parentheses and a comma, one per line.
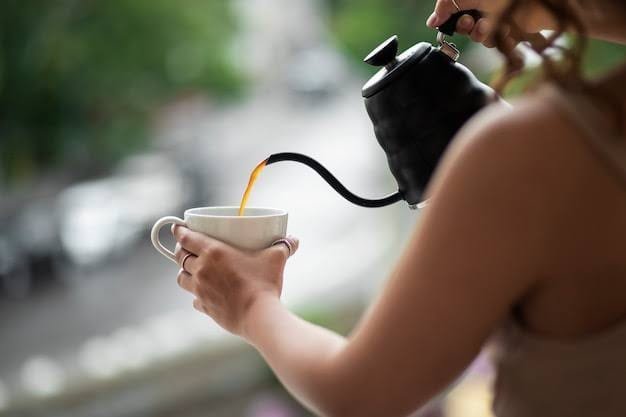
(431,20)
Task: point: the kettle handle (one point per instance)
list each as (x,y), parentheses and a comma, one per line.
(449,27)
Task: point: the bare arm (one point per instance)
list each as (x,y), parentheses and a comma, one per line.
(301,354)
(474,254)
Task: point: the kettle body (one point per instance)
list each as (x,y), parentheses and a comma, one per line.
(417,103)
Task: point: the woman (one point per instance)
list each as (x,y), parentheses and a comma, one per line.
(524,241)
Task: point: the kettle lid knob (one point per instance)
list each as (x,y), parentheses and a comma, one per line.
(384,54)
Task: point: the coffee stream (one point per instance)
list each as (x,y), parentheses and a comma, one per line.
(253,177)
(325,174)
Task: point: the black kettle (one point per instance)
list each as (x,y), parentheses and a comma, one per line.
(417,102)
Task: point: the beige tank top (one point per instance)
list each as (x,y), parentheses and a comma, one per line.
(538,377)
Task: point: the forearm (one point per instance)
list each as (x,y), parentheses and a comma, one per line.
(301,354)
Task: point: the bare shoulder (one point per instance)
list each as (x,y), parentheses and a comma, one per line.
(536,146)
(530,133)
(516,151)
(509,168)
(529,145)
(529,169)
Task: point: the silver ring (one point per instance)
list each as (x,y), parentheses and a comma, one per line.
(182,264)
(286,242)
(456,5)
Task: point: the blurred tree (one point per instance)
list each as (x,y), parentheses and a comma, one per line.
(78,78)
(360,25)
(601,56)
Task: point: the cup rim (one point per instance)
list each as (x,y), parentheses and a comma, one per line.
(276,212)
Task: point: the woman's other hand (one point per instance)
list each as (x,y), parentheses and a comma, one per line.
(227,281)
(529,18)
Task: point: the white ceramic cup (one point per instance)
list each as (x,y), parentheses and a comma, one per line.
(257,229)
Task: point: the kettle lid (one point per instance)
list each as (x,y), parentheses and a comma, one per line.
(384,55)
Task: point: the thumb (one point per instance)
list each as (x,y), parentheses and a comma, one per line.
(446,8)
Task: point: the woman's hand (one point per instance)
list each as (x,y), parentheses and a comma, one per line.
(530,18)
(227,281)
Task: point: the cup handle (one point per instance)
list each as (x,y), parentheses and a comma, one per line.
(154,235)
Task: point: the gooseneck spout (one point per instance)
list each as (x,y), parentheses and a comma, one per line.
(333,181)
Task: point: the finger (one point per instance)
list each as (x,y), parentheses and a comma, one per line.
(431,21)
(185,281)
(295,243)
(191,241)
(180,253)
(490,42)
(510,44)
(185,259)
(190,264)
(505,29)
(446,8)
(197,304)
(481,30)
(537,41)
(516,55)
(287,248)
(465,25)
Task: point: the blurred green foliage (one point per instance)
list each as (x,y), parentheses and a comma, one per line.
(600,56)
(79,78)
(360,25)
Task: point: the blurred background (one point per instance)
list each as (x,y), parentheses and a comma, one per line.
(114,113)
